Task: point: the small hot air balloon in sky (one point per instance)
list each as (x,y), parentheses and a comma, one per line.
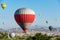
(46,21)
(3,5)
(50,28)
(24,17)
(3,23)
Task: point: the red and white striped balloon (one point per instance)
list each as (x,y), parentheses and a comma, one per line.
(24,17)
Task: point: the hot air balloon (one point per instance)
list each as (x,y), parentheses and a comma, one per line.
(50,28)
(3,23)
(3,5)
(11,35)
(47,22)
(24,17)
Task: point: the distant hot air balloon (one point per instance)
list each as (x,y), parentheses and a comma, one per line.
(50,28)
(3,23)
(24,17)
(3,5)
(47,22)
(11,35)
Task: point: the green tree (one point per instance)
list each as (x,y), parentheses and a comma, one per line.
(29,38)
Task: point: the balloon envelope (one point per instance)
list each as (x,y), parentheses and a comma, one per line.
(11,35)
(50,28)
(3,5)
(24,17)
(46,21)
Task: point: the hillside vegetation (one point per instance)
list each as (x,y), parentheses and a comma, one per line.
(38,36)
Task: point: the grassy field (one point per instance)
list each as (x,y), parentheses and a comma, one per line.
(38,36)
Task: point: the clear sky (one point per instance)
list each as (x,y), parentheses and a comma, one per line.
(44,9)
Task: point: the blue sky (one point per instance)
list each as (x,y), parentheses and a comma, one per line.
(44,10)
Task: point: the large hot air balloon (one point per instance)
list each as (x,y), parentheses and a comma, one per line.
(24,17)
(3,5)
